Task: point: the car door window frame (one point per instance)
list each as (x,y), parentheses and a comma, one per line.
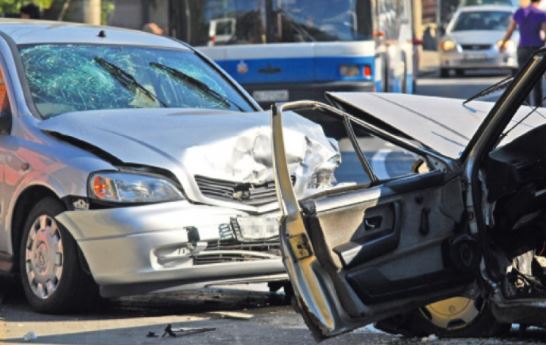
(437,160)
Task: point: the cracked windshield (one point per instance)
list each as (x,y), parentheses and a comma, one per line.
(272,171)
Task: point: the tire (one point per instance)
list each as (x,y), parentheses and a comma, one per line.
(456,317)
(459,72)
(444,73)
(51,265)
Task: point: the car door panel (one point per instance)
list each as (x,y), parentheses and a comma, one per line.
(378,233)
(401,250)
(357,255)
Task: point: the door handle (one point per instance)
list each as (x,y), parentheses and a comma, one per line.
(372,223)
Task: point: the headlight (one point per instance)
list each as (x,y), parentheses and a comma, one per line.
(448,45)
(349,71)
(509,46)
(121,187)
(324,177)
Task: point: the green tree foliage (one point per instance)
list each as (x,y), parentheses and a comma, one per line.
(50,8)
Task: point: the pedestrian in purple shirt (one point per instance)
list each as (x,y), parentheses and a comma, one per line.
(531,22)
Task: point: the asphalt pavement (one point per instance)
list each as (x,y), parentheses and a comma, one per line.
(243,314)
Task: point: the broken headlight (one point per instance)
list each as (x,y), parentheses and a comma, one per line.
(324,176)
(123,187)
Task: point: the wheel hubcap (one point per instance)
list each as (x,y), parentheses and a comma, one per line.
(44,257)
(453,313)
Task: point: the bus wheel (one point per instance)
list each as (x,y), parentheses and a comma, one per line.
(444,73)
(455,317)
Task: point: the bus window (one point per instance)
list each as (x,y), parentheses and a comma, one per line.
(219,22)
(321,20)
(226,22)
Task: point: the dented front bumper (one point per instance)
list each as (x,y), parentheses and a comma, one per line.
(145,248)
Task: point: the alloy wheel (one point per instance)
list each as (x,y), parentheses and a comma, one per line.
(44,256)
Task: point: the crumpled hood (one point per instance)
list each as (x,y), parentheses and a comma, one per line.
(223,145)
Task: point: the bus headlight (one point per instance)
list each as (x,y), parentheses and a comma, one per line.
(448,45)
(349,71)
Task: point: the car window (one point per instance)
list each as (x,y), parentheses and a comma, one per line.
(78,77)
(5,109)
(385,160)
(482,20)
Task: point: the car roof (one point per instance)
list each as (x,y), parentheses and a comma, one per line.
(42,31)
(479,8)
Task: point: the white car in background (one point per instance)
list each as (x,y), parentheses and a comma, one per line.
(472,40)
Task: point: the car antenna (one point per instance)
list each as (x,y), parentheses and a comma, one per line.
(102,34)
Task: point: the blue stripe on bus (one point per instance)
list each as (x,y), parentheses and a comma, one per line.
(279,70)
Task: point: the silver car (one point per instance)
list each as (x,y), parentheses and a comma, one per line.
(472,40)
(132,163)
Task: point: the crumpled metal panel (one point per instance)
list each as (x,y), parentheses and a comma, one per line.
(224,145)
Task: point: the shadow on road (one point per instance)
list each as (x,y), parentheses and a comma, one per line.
(176,303)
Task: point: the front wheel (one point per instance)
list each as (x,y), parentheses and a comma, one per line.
(450,318)
(50,263)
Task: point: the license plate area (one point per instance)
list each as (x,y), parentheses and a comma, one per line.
(271,95)
(252,229)
(475,56)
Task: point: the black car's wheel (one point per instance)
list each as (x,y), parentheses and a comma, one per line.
(444,73)
(50,263)
(450,318)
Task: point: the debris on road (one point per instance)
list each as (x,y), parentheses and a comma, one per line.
(179,332)
(151,335)
(30,336)
(432,337)
(232,315)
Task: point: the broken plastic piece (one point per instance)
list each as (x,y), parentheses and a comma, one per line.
(179,332)
(30,336)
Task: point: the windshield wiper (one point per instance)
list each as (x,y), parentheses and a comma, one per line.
(127,80)
(492,88)
(198,84)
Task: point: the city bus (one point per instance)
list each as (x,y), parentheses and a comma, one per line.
(283,50)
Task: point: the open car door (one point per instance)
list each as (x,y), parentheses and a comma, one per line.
(360,253)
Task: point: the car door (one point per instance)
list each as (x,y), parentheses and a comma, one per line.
(358,253)
(5,125)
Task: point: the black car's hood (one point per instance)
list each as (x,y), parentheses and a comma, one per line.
(444,125)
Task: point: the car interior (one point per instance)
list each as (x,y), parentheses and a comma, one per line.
(515,185)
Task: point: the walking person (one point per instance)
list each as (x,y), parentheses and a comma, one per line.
(531,21)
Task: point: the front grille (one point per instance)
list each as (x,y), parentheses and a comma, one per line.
(247,193)
(235,251)
(475,47)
